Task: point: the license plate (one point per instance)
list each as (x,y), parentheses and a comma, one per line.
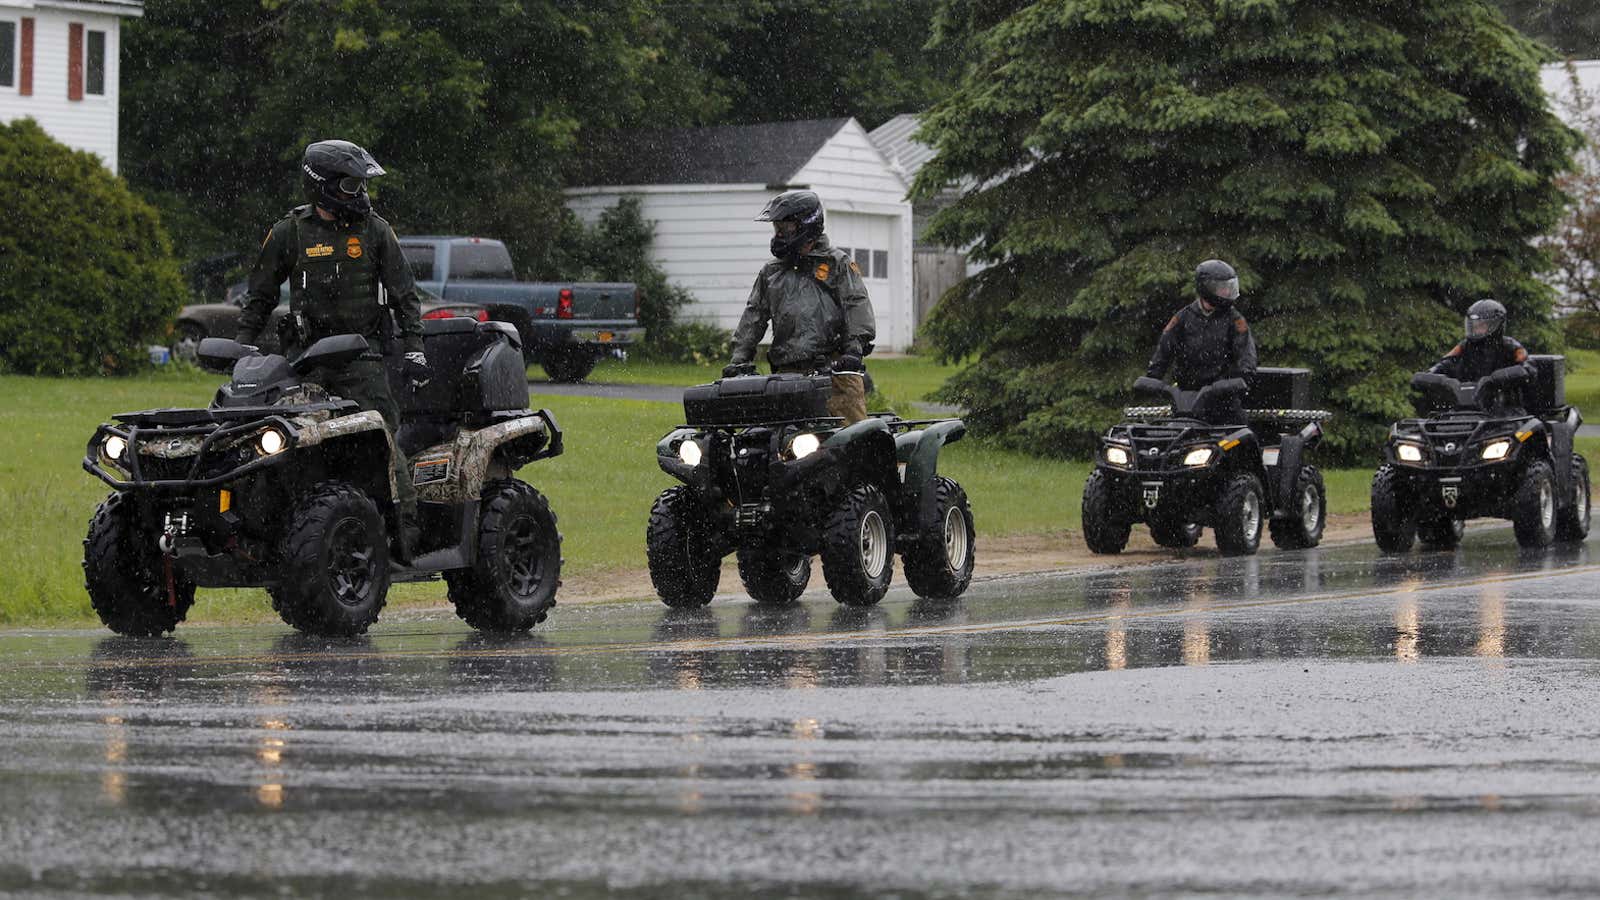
(604,336)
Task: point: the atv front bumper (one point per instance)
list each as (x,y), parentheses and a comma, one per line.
(1466,492)
(1137,494)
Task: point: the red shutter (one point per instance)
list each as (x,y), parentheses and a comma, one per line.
(25,80)
(75,61)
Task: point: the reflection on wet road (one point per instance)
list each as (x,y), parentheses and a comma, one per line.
(1293,723)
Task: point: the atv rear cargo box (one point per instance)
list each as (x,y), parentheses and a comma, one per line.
(757,398)
(1277,388)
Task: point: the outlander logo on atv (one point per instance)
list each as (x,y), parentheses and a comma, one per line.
(1450,493)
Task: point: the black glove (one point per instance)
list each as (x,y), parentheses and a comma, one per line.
(416,370)
(849,362)
(735,370)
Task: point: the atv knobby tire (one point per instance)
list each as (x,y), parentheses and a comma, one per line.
(125,577)
(773,576)
(858,547)
(1533,508)
(939,565)
(334,562)
(1240,513)
(1440,532)
(512,584)
(1301,524)
(568,365)
(1572,523)
(1394,526)
(1102,530)
(682,552)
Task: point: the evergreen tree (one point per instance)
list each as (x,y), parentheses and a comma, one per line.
(1370,168)
(1570,26)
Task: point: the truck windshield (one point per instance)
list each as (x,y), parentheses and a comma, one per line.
(480,262)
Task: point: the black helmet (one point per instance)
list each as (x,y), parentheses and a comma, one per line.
(1216,283)
(804,209)
(334,175)
(1485,319)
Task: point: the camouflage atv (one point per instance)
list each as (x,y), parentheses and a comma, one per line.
(279,485)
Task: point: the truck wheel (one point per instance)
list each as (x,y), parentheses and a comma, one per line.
(681,549)
(334,563)
(1302,523)
(1393,525)
(1102,531)
(1169,530)
(124,575)
(939,565)
(1440,532)
(512,584)
(1572,524)
(858,547)
(1533,509)
(568,365)
(1239,515)
(772,576)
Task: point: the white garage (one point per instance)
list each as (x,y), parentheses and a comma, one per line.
(704,186)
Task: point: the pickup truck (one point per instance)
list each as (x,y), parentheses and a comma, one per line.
(566,326)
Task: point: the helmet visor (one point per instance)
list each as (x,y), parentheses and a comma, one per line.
(350,185)
(1481,326)
(1224,290)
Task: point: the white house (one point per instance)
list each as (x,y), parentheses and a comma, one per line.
(703,187)
(59,67)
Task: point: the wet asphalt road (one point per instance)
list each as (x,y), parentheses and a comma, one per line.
(1324,722)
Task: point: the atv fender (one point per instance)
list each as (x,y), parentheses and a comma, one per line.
(364,437)
(1245,456)
(1562,435)
(697,477)
(476,451)
(1291,450)
(921,457)
(865,449)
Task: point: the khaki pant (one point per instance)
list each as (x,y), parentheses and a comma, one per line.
(849,398)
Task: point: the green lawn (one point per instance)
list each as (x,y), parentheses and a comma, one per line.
(1583,382)
(900,380)
(601,488)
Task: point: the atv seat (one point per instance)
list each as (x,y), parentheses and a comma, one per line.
(478,371)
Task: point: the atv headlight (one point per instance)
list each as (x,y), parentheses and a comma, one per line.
(1199,456)
(271,441)
(1117,456)
(114,447)
(1408,452)
(689,452)
(804,445)
(1496,449)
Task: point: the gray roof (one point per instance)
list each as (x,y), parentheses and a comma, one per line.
(893,139)
(766,154)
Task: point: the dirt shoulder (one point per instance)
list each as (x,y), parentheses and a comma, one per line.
(998,557)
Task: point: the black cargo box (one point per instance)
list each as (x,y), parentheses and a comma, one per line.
(1275,388)
(757,398)
(1549,387)
(477,368)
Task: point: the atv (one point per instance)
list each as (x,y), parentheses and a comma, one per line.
(1496,448)
(279,485)
(768,475)
(1173,469)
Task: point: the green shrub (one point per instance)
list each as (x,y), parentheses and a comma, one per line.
(688,342)
(1582,330)
(88,279)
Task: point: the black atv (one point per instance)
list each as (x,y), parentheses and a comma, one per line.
(769,475)
(1173,469)
(280,485)
(1494,448)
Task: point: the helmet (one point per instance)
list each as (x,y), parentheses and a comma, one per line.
(1216,283)
(804,209)
(334,175)
(1485,319)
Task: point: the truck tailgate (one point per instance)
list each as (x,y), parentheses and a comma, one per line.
(602,300)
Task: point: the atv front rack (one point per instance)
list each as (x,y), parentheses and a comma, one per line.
(212,435)
(1284,416)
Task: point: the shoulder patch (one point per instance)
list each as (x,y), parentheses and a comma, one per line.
(1171,324)
(1522,354)
(1454,351)
(822,271)
(1240,325)
(855,268)
(267,238)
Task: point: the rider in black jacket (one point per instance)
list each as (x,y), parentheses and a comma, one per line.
(1208,340)
(1487,350)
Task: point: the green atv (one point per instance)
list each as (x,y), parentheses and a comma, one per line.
(768,475)
(279,485)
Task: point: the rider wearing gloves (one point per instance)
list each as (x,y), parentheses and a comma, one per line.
(1208,340)
(813,295)
(1486,350)
(345,274)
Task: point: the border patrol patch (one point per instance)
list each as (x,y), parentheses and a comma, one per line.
(822,271)
(319,250)
(352,247)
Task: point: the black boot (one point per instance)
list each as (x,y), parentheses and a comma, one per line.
(408,540)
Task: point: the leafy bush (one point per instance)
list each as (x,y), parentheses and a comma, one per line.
(88,278)
(689,342)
